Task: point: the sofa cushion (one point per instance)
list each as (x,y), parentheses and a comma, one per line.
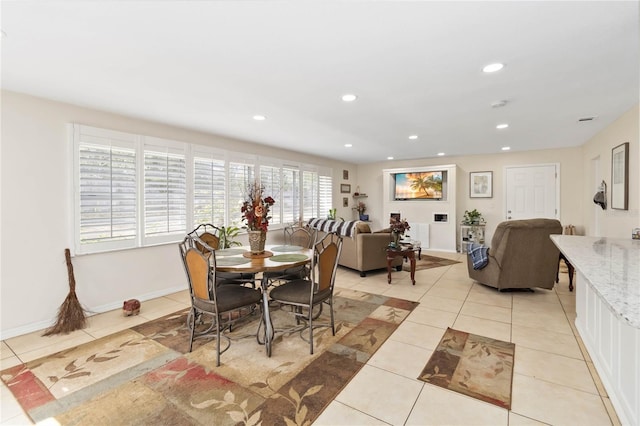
(383,231)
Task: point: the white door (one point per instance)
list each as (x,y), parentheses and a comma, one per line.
(532,191)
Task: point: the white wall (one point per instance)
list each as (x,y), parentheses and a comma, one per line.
(612,222)
(35,222)
(442,235)
(493,209)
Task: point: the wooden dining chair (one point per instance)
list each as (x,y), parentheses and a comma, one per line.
(210,234)
(223,304)
(304,294)
(299,236)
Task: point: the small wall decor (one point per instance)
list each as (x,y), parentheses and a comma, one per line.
(481,184)
(620,177)
(601,196)
(345,188)
(345,175)
(345,202)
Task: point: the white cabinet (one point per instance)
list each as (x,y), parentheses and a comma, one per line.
(614,347)
(470,234)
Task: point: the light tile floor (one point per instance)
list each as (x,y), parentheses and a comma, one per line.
(554,379)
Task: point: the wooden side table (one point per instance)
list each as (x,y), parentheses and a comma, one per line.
(405,253)
(569,267)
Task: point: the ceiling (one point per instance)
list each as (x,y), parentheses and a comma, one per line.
(415,66)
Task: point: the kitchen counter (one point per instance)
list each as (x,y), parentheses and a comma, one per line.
(612,266)
(608,313)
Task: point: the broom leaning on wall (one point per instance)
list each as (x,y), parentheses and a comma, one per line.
(71,316)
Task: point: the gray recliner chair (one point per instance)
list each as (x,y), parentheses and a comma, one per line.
(521,255)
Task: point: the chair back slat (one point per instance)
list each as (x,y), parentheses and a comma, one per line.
(326,265)
(297,236)
(325,262)
(198,269)
(212,240)
(208,233)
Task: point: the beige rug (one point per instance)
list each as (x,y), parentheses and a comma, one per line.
(473,365)
(146,376)
(428,262)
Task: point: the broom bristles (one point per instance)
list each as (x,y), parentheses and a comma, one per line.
(71,316)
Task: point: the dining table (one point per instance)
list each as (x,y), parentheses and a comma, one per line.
(275,258)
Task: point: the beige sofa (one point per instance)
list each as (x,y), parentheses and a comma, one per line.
(521,255)
(366,251)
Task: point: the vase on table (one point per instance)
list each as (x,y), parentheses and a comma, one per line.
(257,240)
(395,240)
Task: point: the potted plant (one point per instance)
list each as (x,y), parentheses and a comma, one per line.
(473,217)
(228,236)
(255,213)
(361,208)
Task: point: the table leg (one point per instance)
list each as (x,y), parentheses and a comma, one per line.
(389,260)
(268,325)
(412,260)
(571,269)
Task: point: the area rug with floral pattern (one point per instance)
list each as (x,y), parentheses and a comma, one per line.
(474,365)
(427,262)
(146,375)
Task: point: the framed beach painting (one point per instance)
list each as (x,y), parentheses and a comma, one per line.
(481,184)
(620,177)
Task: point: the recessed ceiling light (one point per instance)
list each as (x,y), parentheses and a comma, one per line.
(493,67)
(389,158)
(347,145)
(498,104)
(440,154)
(506,148)
(413,137)
(349,97)
(259,117)
(502,126)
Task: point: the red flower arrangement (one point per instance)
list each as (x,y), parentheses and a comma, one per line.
(255,208)
(399,226)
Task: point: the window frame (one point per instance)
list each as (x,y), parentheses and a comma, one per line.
(81,135)
(90,136)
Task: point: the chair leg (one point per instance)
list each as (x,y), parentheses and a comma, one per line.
(333,328)
(311,328)
(192,326)
(217,341)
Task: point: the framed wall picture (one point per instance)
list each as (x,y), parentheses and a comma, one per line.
(345,175)
(345,188)
(620,177)
(345,202)
(481,184)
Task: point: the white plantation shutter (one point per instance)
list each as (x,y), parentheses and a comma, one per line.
(325,195)
(309,195)
(240,175)
(165,191)
(290,195)
(106,190)
(270,179)
(135,191)
(209,192)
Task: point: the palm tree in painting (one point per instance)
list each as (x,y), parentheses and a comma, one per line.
(430,183)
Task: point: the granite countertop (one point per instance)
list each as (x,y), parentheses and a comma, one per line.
(612,266)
